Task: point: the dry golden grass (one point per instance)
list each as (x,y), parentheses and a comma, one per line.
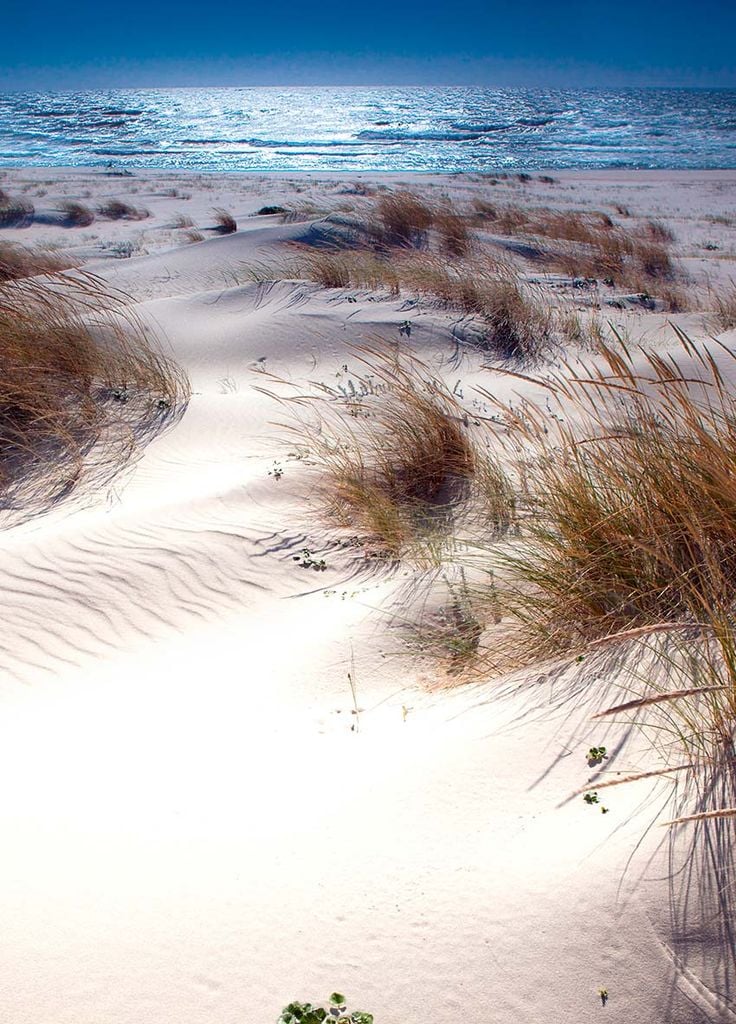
(578,329)
(657,231)
(15,211)
(633,492)
(76,214)
(394,454)
(589,245)
(82,387)
(17,261)
(225,223)
(181,220)
(518,325)
(116,209)
(725,308)
(348,269)
(400,220)
(453,230)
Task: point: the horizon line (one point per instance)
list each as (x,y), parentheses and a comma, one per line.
(375,85)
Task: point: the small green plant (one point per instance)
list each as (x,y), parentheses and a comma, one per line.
(603,993)
(306,561)
(277,471)
(335,1010)
(592,798)
(596,756)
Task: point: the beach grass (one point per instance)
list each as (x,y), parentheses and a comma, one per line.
(394,454)
(84,385)
(76,214)
(225,223)
(117,209)
(17,261)
(15,211)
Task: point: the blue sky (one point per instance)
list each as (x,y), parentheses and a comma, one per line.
(136,43)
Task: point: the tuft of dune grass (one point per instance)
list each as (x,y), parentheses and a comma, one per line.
(725,308)
(400,219)
(18,261)
(657,231)
(633,498)
(116,209)
(518,325)
(225,223)
(181,220)
(76,214)
(15,211)
(588,245)
(393,453)
(82,388)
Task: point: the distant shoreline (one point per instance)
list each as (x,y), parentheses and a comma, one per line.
(618,174)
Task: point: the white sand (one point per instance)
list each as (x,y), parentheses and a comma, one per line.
(192,831)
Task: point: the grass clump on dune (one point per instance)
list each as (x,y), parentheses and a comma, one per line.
(17,261)
(225,223)
(404,220)
(725,308)
(517,324)
(116,209)
(588,244)
(76,215)
(14,211)
(633,498)
(393,452)
(348,269)
(82,387)
(400,220)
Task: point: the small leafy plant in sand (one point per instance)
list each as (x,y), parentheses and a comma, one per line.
(596,756)
(306,560)
(270,211)
(334,1010)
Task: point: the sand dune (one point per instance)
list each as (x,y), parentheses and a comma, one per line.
(193,829)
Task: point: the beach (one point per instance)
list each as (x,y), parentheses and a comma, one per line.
(231,780)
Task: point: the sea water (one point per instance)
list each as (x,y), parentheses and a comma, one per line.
(370,129)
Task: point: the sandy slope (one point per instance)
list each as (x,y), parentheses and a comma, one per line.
(193,831)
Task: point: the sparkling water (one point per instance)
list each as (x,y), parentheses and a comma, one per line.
(376,129)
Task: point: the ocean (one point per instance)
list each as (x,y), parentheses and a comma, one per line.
(370,129)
